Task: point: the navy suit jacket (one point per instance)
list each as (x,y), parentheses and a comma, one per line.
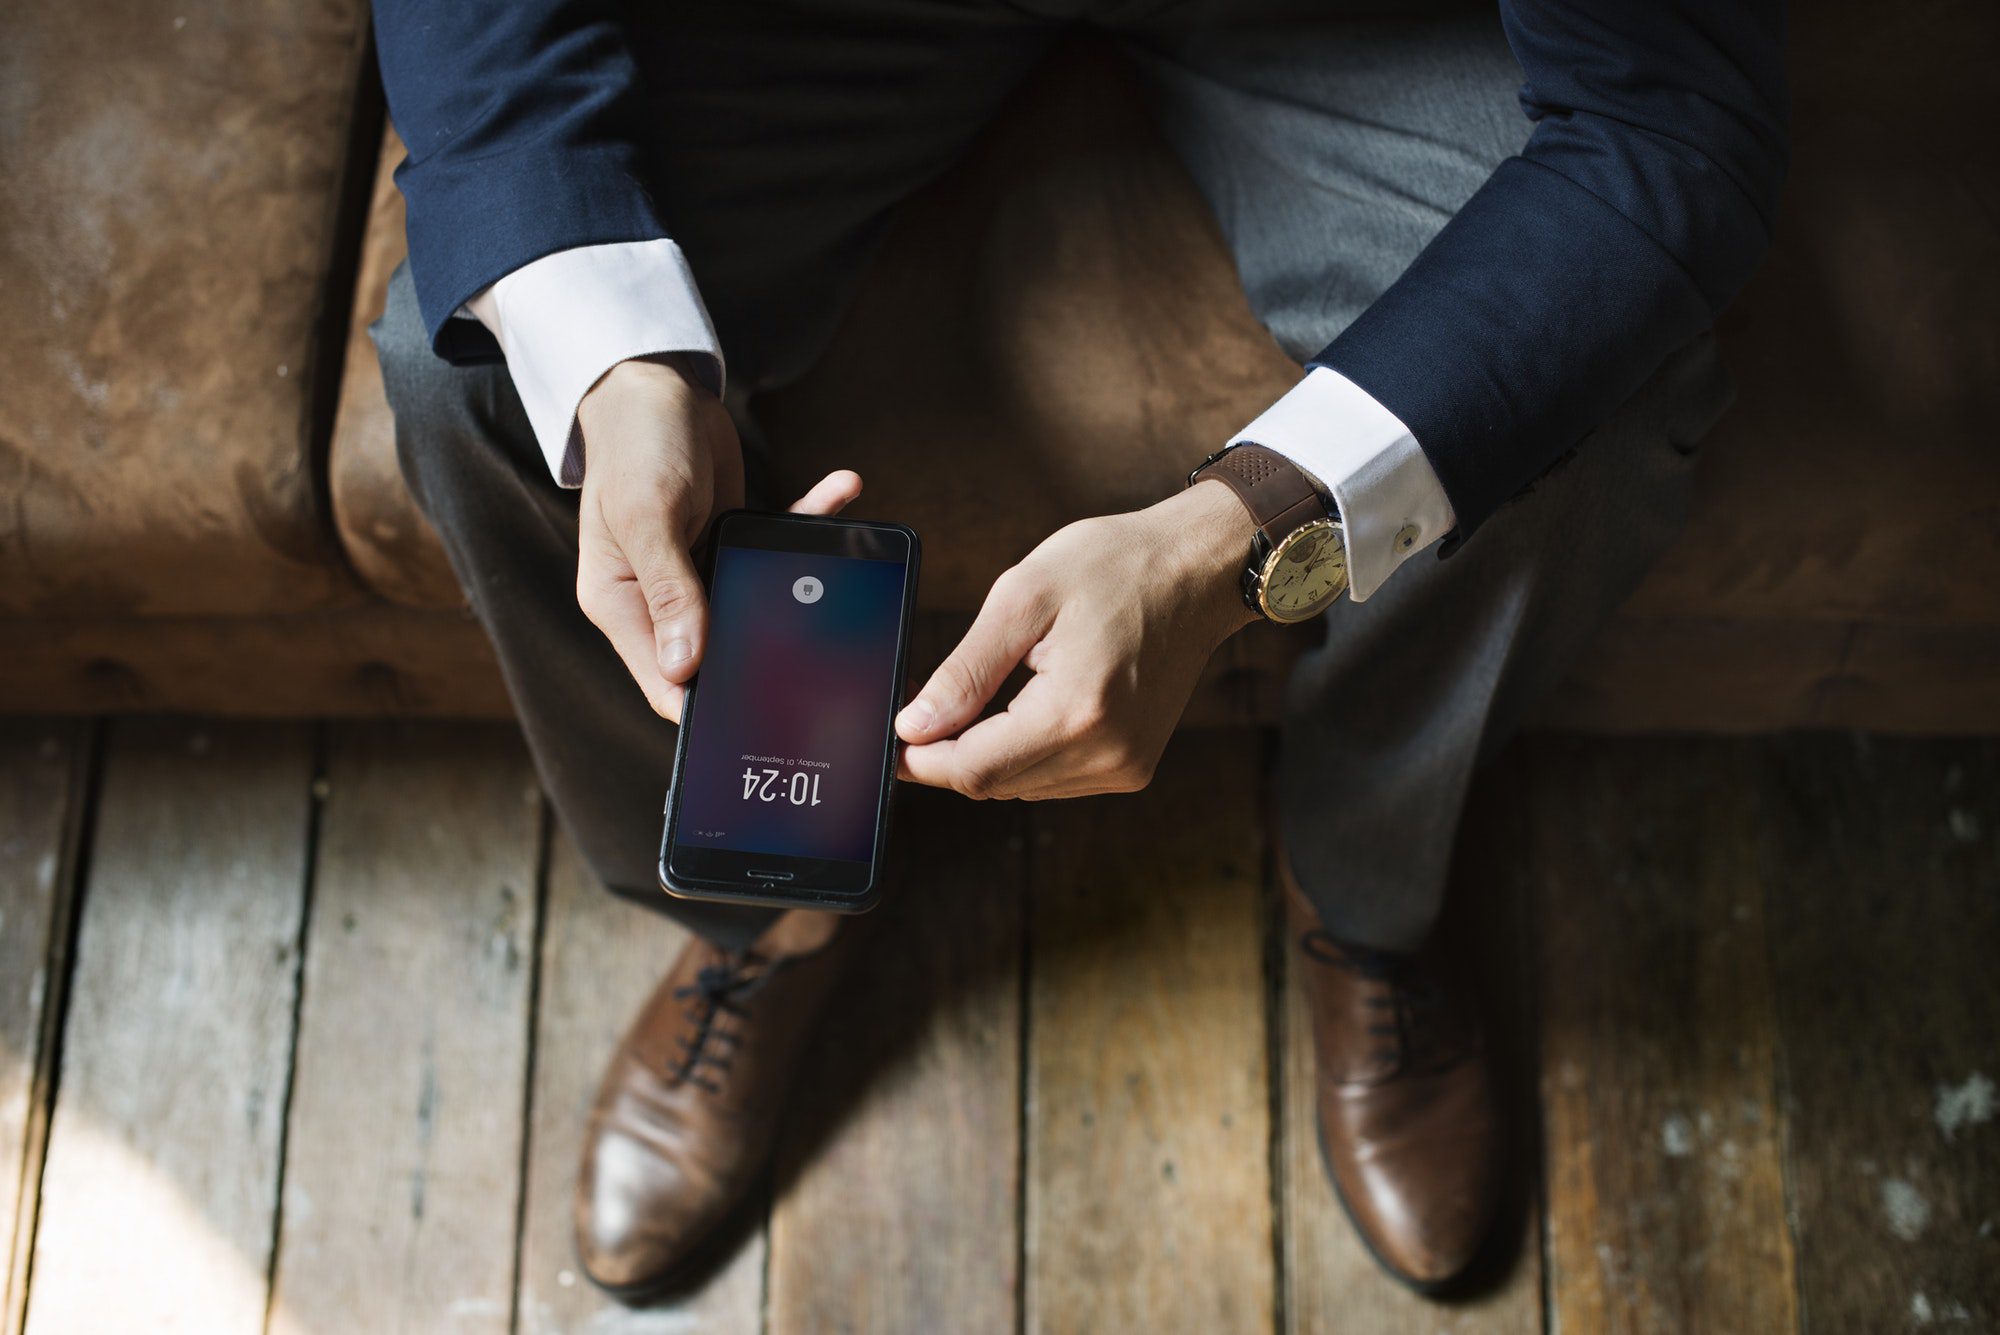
(1642,201)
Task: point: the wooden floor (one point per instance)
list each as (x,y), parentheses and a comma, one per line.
(297,1023)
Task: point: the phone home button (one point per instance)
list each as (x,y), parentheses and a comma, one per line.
(771,875)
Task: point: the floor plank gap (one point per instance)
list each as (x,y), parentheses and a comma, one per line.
(1028,831)
(1271,909)
(315,807)
(544,856)
(1782,1101)
(80,746)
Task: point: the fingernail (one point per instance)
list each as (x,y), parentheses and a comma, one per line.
(919,715)
(677,651)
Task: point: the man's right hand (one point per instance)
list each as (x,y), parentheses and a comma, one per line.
(661,460)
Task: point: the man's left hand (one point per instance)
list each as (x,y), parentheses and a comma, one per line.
(1115,617)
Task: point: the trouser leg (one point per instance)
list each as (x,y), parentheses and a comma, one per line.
(603,755)
(786,134)
(1387,718)
(1332,151)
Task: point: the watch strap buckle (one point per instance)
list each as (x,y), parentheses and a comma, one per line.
(1194,474)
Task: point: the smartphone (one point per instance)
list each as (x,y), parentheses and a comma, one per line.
(787,752)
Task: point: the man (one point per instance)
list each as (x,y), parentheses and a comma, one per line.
(611,198)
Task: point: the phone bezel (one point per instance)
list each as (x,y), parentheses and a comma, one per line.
(729,875)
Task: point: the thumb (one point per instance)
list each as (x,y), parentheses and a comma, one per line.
(674,601)
(1010,622)
(831,494)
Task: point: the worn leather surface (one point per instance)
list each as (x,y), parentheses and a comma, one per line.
(169,177)
(1067,289)
(165,234)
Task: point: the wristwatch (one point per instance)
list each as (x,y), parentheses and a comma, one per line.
(1298,555)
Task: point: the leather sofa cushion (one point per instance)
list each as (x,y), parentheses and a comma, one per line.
(1857,479)
(170,180)
(1066,287)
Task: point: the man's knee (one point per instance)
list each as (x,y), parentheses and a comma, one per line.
(417,380)
(449,420)
(1642,458)
(1588,530)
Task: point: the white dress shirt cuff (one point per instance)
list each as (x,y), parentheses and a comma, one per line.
(567,318)
(1391,503)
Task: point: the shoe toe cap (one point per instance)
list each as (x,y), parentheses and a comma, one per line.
(1425,1196)
(1428,1237)
(641,1213)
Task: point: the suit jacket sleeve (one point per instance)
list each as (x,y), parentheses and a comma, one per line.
(520,121)
(1642,201)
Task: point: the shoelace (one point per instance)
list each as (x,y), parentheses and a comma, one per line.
(716,991)
(1421,1042)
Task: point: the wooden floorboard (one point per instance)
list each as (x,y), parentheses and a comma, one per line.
(1148,1106)
(405,1140)
(43,771)
(601,957)
(1882,873)
(900,1184)
(161,1183)
(1331,1283)
(1666,1206)
(1068,1087)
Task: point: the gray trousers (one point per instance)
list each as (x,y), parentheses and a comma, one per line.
(1331,150)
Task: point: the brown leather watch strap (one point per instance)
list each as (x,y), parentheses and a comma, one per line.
(1276,491)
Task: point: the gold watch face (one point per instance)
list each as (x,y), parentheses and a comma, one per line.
(1304,573)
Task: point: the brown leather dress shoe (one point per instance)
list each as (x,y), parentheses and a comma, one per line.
(684,1122)
(1407,1123)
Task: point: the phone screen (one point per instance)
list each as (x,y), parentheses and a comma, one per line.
(786,747)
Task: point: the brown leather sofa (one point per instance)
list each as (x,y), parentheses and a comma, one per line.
(202,511)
